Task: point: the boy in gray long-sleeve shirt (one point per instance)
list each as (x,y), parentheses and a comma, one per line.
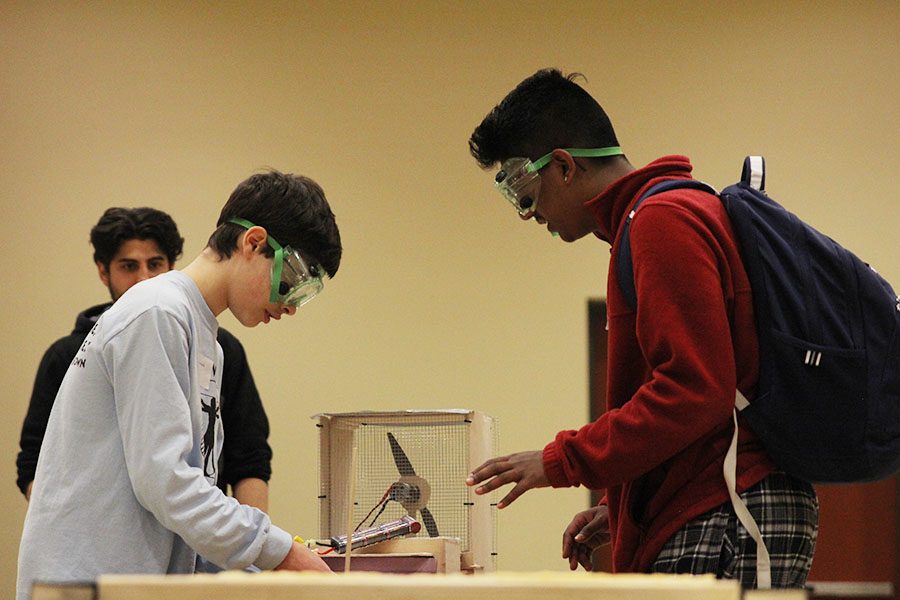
(126,477)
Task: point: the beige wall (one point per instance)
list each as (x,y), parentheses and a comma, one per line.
(444,299)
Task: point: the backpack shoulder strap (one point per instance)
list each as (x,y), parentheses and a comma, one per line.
(753,175)
(624,267)
(754,172)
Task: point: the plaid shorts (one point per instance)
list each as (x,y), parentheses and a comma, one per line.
(787,512)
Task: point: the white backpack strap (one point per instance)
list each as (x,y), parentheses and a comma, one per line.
(740,400)
(754,172)
(763,564)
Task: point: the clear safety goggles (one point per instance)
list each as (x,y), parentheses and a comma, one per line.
(520,183)
(294,282)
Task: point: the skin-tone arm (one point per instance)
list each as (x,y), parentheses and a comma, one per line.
(253,492)
(301,558)
(525,469)
(588,531)
(28,491)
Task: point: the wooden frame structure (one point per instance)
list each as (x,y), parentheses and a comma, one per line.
(337,463)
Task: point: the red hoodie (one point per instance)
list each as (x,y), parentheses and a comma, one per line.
(673,367)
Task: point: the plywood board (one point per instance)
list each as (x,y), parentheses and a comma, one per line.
(365,586)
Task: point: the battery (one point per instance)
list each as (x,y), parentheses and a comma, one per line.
(366,537)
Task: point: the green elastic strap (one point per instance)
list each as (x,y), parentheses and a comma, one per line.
(279,257)
(580,152)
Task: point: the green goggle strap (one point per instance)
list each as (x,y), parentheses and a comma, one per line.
(279,257)
(580,152)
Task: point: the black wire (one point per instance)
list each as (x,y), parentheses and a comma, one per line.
(383,506)
(379,503)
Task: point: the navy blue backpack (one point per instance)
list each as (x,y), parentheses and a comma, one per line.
(827,405)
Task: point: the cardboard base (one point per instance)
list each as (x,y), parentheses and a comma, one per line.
(384,563)
(402,555)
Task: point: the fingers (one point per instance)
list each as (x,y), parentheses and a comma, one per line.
(597,529)
(588,530)
(594,521)
(487,470)
(493,474)
(525,469)
(499,481)
(581,555)
(585,556)
(569,534)
(514,493)
(593,535)
(301,558)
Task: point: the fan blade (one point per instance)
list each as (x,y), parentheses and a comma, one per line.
(430,524)
(403,464)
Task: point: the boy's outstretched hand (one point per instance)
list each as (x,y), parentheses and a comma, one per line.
(525,469)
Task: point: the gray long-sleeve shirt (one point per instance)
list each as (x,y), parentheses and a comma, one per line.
(125,482)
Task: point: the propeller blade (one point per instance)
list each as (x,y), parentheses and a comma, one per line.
(403,464)
(430,524)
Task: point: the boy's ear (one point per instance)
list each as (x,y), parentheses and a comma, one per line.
(103,272)
(253,240)
(566,163)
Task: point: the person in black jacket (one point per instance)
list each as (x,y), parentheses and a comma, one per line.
(131,245)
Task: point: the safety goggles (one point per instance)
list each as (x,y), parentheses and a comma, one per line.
(520,183)
(294,282)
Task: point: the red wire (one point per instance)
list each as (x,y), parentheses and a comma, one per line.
(377,504)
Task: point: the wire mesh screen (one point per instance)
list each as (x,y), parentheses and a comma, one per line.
(412,469)
(406,464)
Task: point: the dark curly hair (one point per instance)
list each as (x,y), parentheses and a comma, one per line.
(292,209)
(544,112)
(118,225)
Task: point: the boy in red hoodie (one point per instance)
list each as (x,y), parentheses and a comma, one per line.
(674,362)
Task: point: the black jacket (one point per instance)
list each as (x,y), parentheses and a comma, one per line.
(246,452)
